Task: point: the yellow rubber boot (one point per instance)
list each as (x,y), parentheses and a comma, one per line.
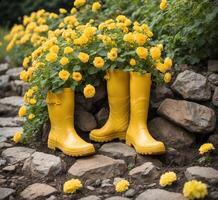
(118,98)
(137,133)
(62,134)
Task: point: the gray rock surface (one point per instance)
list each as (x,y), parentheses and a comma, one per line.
(215,97)
(14,73)
(41,164)
(157,194)
(102,116)
(119,150)
(117,198)
(192,86)
(97,167)
(19,87)
(213,78)
(11,121)
(8,132)
(17,154)
(37,190)
(172,135)
(191,116)
(5,193)
(3,68)
(91,197)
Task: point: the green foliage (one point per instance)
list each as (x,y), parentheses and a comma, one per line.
(3,44)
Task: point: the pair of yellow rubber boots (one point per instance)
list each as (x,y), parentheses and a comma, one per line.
(128,96)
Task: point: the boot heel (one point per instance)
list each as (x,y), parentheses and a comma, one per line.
(122,136)
(51,144)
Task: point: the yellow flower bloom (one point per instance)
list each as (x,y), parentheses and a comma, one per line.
(79,3)
(51,57)
(167,77)
(155,53)
(195,190)
(31,116)
(64,61)
(33,101)
(96,6)
(89,91)
(68,50)
(132,62)
(62,10)
(122,186)
(22,111)
(54,49)
(30,93)
(72,186)
(161,67)
(84,57)
(76,76)
(98,62)
(35,88)
(140,38)
(73,11)
(142,52)
(17,137)
(204,148)
(168,62)
(167,179)
(26,61)
(163,4)
(112,55)
(63,75)
(129,37)
(24,76)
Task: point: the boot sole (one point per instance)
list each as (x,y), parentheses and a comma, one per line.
(121,136)
(75,153)
(146,150)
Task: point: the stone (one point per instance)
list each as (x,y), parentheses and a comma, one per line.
(5,192)
(213,78)
(5,145)
(102,116)
(100,93)
(156,194)
(130,193)
(87,104)
(19,87)
(9,106)
(91,197)
(214,140)
(212,65)
(191,85)
(117,198)
(203,173)
(37,190)
(97,167)
(17,154)
(14,73)
(170,134)
(119,150)
(4,82)
(213,195)
(52,197)
(193,117)
(8,132)
(2,162)
(41,164)
(9,168)
(11,121)
(84,120)
(3,68)
(144,172)
(106,183)
(215,97)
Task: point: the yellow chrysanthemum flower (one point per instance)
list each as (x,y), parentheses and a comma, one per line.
(24,76)
(195,190)
(76,76)
(142,52)
(132,62)
(96,6)
(62,10)
(72,186)
(64,75)
(98,62)
(64,61)
(26,62)
(30,92)
(32,101)
(79,3)
(89,91)
(17,137)
(167,77)
(122,186)
(22,111)
(204,148)
(163,4)
(112,55)
(51,57)
(167,179)
(68,50)
(54,49)
(84,57)
(73,10)
(168,62)
(31,116)
(155,53)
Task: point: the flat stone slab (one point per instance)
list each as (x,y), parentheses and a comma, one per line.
(17,154)
(41,164)
(144,172)
(37,190)
(92,197)
(9,106)
(5,193)
(14,73)
(117,198)
(119,150)
(97,167)
(3,68)
(8,132)
(204,173)
(156,194)
(11,121)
